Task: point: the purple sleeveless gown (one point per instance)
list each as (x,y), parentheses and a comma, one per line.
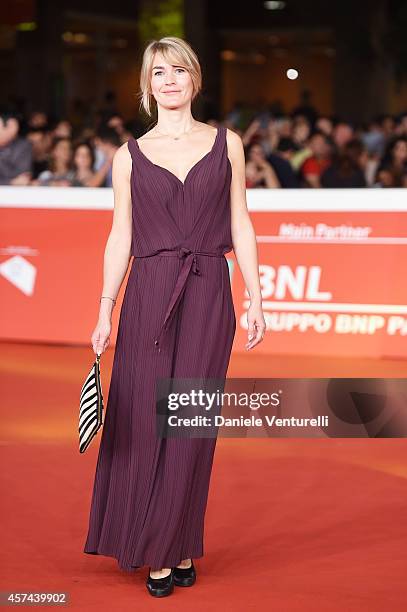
(177,320)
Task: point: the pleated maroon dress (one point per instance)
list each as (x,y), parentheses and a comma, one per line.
(177,320)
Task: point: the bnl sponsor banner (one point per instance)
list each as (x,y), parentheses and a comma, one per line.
(332,268)
(333,283)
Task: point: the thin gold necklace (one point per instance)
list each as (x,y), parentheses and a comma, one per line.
(175,137)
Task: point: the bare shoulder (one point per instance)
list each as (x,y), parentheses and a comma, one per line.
(234,145)
(234,142)
(123,152)
(122,158)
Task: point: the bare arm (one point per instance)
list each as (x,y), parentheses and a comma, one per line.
(99,176)
(270,177)
(117,251)
(250,131)
(244,239)
(313,180)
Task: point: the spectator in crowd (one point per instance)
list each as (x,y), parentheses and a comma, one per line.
(63,129)
(341,134)
(324,124)
(271,137)
(388,125)
(286,149)
(284,126)
(37,119)
(15,151)
(374,139)
(320,158)
(393,167)
(116,121)
(259,172)
(41,139)
(301,131)
(60,172)
(280,161)
(252,133)
(83,165)
(348,167)
(107,141)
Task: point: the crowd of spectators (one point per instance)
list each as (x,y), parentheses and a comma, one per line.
(38,151)
(282,150)
(308,150)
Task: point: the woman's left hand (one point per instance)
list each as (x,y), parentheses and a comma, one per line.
(256,325)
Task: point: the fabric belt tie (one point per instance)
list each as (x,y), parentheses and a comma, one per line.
(190,264)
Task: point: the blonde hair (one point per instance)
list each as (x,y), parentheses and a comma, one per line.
(176,51)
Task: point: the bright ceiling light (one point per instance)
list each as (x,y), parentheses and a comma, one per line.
(274,5)
(292,74)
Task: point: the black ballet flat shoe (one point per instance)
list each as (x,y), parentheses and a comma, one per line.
(160,587)
(184,576)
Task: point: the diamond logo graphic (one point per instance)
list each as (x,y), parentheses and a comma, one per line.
(20,273)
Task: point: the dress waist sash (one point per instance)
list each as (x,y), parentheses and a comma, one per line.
(190,264)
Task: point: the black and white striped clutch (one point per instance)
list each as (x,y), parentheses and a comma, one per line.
(90,407)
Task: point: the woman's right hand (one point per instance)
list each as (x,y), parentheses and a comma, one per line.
(101,336)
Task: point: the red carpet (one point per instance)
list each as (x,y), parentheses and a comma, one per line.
(291,525)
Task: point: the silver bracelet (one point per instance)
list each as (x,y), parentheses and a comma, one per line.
(109,298)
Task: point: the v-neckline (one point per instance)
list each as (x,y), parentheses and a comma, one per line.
(182,183)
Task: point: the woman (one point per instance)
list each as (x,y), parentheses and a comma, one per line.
(179,201)
(60,172)
(318,161)
(393,167)
(347,169)
(84,162)
(259,173)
